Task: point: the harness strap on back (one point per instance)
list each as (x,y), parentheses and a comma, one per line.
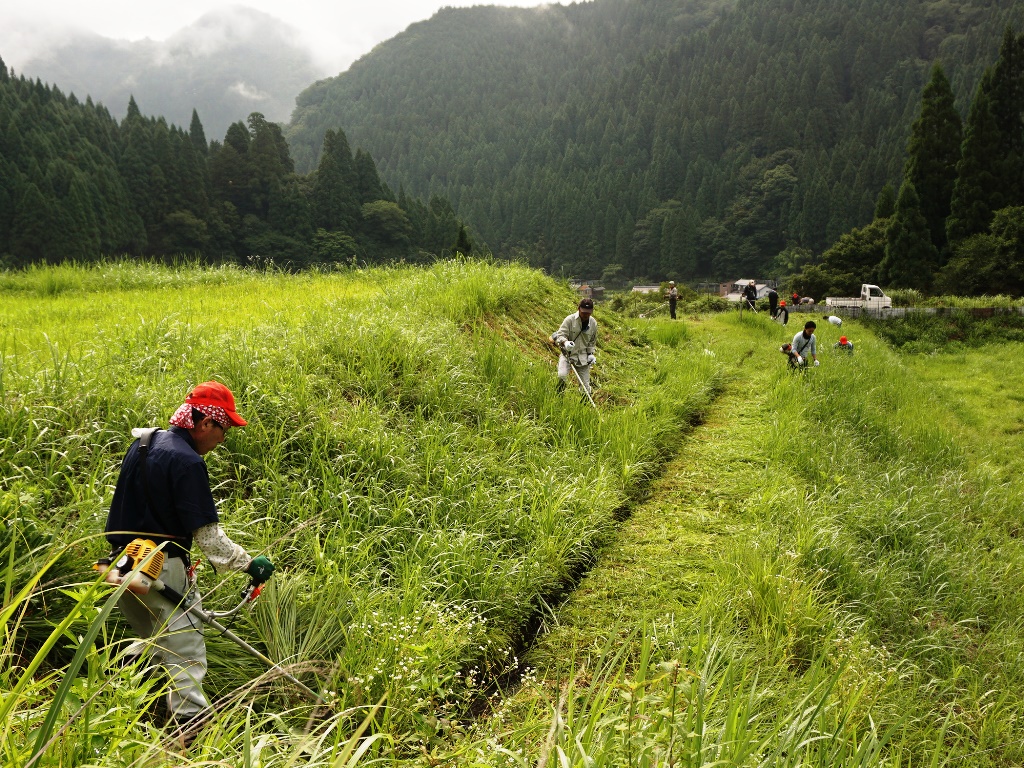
(145,439)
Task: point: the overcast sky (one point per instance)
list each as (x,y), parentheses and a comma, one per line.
(338,32)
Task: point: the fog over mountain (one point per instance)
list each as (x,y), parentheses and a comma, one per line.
(226,65)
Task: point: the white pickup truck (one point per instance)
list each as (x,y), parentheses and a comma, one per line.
(871,297)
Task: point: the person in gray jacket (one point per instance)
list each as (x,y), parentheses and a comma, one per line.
(805,343)
(577,340)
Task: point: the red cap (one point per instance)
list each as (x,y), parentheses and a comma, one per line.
(782,303)
(842,339)
(216,394)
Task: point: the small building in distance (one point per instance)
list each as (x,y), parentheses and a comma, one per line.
(588,289)
(646,289)
(713,288)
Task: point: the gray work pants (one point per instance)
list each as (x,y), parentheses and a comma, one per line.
(564,372)
(174,638)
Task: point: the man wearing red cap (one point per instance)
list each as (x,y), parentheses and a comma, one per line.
(163,494)
(783,313)
(844,344)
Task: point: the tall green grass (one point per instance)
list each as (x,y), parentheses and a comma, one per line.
(408,465)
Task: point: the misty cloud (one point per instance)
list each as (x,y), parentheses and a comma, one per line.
(225,65)
(247,91)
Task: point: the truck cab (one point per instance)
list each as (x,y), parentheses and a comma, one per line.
(871,297)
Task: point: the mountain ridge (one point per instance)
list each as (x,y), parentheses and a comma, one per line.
(225,65)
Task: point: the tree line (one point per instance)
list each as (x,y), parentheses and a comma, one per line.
(956,224)
(77,185)
(666,139)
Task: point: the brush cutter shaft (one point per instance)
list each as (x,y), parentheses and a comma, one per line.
(212,622)
(210,619)
(583,386)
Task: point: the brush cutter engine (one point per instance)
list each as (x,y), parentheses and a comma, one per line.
(134,554)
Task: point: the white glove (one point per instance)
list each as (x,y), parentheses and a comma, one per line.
(591,359)
(799,360)
(817,363)
(568,345)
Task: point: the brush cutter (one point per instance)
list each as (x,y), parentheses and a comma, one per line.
(583,386)
(143,561)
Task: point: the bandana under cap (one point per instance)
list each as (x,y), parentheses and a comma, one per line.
(183,416)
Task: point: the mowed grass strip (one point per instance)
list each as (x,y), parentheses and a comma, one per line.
(827,575)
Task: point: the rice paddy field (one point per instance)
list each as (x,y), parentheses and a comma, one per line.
(722,564)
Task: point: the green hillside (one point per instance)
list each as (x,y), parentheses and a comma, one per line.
(682,139)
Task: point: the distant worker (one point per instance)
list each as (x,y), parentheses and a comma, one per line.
(836,321)
(673,297)
(576,337)
(805,343)
(750,294)
(844,344)
(795,298)
(806,300)
(783,313)
(773,302)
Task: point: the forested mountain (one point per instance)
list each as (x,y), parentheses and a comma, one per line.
(227,64)
(677,138)
(77,184)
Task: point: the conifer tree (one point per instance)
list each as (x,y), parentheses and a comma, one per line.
(197,135)
(976,192)
(463,244)
(933,153)
(135,166)
(31,225)
(335,197)
(290,212)
(910,256)
(885,205)
(367,178)
(82,237)
(7,183)
(268,164)
(1007,104)
(133,112)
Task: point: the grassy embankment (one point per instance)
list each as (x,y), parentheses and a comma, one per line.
(829,573)
(407,465)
